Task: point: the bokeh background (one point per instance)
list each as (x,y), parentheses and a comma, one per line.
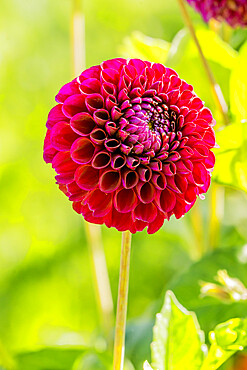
(47,294)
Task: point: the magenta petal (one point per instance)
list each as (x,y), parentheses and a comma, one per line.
(110,75)
(90,86)
(138,64)
(55,115)
(116,63)
(73,105)
(82,123)
(108,89)
(209,137)
(49,150)
(62,136)
(67,90)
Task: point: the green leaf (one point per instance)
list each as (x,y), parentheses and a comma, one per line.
(92,360)
(226,339)
(211,311)
(231,158)
(238,86)
(214,48)
(178,341)
(138,45)
(55,358)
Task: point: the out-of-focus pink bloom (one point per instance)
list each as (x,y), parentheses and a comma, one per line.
(233,12)
(131,144)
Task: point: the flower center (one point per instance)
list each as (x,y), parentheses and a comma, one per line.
(149,126)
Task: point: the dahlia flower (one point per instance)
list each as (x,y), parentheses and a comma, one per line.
(131,144)
(233,12)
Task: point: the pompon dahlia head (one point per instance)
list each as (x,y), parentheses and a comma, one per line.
(233,12)
(131,143)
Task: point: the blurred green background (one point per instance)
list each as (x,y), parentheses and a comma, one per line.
(46,288)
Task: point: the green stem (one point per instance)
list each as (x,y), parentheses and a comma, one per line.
(216,90)
(119,344)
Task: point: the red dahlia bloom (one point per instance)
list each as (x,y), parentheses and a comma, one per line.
(130,142)
(232,11)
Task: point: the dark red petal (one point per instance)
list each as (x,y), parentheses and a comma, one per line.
(94,102)
(63,163)
(109,181)
(167,200)
(82,124)
(125,200)
(99,202)
(200,174)
(121,221)
(145,173)
(191,193)
(145,212)
(101,116)
(82,150)
(75,193)
(146,192)
(98,136)
(101,160)
(159,181)
(157,223)
(129,179)
(87,177)
(118,161)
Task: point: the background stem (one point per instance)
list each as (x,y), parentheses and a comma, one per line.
(93,232)
(78,38)
(123,286)
(101,279)
(217,92)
